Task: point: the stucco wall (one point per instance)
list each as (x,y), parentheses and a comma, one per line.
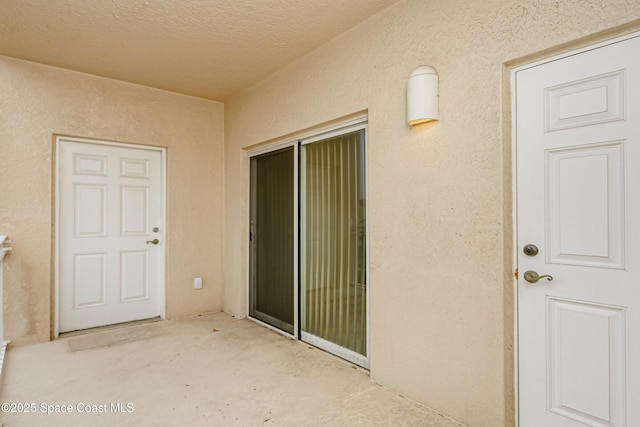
(439,194)
(38,101)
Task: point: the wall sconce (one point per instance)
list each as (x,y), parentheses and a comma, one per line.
(422,96)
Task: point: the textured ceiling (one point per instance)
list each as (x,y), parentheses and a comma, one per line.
(207,48)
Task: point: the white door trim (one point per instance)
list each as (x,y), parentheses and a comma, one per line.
(514,202)
(56,249)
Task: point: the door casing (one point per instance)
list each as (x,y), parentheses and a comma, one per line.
(56,248)
(514,194)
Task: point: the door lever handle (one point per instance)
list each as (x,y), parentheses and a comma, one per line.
(154,241)
(533,277)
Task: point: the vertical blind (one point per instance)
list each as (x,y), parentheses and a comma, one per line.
(333,223)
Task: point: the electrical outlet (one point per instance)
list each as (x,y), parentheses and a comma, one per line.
(197,283)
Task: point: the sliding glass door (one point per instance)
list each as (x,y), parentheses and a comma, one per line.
(325,304)
(333,244)
(272,245)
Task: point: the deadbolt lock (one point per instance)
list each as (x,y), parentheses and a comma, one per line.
(530,250)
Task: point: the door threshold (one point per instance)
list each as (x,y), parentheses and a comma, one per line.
(337,350)
(273,328)
(109,327)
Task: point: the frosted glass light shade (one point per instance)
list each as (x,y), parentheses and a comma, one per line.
(422,96)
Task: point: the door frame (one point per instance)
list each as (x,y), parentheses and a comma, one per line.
(57,140)
(296,242)
(514,194)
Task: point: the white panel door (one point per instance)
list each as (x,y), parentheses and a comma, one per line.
(578,202)
(110,212)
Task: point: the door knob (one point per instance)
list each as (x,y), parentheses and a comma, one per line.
(154,241)
(533,277)
(530,250)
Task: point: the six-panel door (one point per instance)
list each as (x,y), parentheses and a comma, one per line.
(578,201)
(110,211)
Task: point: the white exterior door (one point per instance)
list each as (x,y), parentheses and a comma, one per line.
(110,210)
(578,202)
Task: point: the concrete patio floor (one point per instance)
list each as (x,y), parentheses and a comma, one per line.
(211,370)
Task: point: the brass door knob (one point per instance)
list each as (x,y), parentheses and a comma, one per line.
(154,241)
(533,277)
